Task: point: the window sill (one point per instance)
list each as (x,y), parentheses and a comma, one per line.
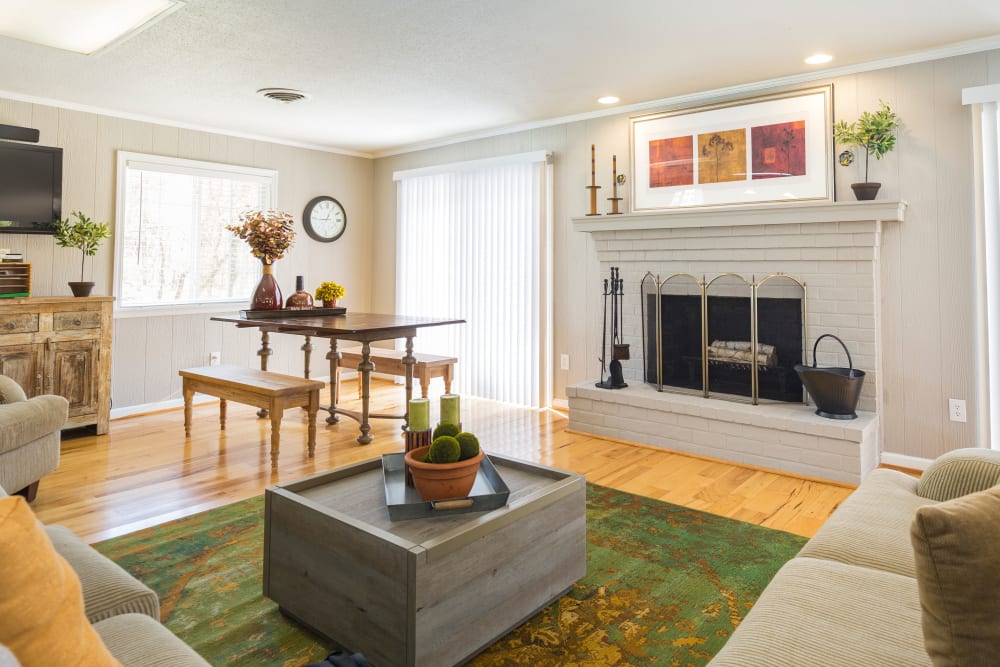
(221,307)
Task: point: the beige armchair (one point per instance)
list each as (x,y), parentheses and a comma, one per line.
(29,437)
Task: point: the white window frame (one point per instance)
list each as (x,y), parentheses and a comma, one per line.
(126,160)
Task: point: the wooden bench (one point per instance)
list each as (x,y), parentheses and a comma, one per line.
(262,389)
(390,362)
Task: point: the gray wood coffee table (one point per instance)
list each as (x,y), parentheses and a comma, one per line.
(421,592)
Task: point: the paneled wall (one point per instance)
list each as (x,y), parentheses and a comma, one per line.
(148,351)
(927,274)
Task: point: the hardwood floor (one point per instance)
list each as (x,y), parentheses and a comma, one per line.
(145,471)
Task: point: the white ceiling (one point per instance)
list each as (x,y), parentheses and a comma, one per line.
(387,74)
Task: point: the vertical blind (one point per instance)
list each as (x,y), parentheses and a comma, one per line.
(471,242)
(986,126)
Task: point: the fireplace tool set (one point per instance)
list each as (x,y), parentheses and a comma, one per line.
(619,350)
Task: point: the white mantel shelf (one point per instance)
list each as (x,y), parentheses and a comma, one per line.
(778,213)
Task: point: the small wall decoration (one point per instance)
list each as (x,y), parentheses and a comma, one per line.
(770,148)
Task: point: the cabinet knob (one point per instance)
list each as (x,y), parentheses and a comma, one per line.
(10,325)
(78,321)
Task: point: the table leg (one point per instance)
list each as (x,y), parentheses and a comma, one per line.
(222,414)
(307,349)
(313,409)
(264,352)
(408,361)
(334,358)
(188,397)
(365,368)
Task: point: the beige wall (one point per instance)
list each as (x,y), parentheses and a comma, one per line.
(928,277)
(149,350)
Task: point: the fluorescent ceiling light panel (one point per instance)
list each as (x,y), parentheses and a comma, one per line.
(83,26)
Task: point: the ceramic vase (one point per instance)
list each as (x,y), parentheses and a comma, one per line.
(267,295)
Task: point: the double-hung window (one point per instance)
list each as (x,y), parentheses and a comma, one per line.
(171,243)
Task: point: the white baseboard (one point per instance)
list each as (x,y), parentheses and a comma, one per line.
(905,461)
(128,411)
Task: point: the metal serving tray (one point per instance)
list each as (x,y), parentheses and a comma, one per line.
(488,492)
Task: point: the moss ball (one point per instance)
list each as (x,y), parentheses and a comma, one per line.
(444,449)
(469,444)
(445,429)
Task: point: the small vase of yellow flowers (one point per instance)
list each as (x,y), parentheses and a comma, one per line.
(328,292)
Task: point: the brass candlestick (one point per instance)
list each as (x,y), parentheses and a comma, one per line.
(593,187)
(614,198)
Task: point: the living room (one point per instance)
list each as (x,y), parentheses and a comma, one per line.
(927,343)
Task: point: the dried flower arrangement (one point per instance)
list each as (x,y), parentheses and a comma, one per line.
(268,233)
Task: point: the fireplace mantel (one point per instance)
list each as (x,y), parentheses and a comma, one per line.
(780,213)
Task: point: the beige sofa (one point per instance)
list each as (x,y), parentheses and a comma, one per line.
(124,612)
(851,595)
(29,437)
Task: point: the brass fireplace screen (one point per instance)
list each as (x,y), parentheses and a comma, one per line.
(727,337)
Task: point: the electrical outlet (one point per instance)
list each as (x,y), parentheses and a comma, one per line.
(956,410)
(564,362)
(214,358)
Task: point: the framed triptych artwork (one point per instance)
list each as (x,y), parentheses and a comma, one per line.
(771,148)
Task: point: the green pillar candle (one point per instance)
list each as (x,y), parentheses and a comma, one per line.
(450,409)
(420,414)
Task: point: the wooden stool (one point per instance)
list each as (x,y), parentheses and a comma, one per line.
(390,362)
(261,389)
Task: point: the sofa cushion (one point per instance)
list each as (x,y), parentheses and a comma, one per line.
(108,590)
(959,472)
(871,527)
(819,612)
(29,420)
(958,575)
(41,608)
(10,391)
(136,639)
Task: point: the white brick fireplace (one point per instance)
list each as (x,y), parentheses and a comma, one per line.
(832,248)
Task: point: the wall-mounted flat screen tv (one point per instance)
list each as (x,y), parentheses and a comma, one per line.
(30,188)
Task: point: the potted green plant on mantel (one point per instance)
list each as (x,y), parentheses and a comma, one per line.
(873,131)
(86,236)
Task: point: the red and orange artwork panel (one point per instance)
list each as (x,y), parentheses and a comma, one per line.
(671,162)
(722,156)
(779,150)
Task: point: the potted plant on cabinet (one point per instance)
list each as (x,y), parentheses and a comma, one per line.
(873,131)
(328,292)
(86,236)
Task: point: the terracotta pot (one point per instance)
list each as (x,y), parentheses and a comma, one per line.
(81,289)
(267,295)
(442,481)
(865,191)
(329,303)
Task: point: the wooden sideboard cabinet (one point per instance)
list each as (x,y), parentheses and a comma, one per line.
(61,345)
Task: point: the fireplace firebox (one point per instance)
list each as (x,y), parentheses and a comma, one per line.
(727,337)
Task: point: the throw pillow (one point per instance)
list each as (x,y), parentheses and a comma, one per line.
(958,576)
(959,472)
(41,609)
(10,391)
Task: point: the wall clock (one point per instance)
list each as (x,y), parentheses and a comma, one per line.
(324,219)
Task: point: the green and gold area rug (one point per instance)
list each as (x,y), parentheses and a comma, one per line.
(665,585)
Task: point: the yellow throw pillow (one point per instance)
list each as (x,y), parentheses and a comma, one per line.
(955,547)
(41,604)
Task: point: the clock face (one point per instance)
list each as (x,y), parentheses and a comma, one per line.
(324,219)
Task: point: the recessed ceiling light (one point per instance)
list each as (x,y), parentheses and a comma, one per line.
(608,99)
(285,95)
(818,59)
(83,26)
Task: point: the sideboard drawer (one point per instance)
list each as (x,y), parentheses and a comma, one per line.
(85,319)
(19,323)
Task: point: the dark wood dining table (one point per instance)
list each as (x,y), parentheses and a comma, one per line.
(365,328)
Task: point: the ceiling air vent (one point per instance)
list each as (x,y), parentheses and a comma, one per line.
(285,95)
